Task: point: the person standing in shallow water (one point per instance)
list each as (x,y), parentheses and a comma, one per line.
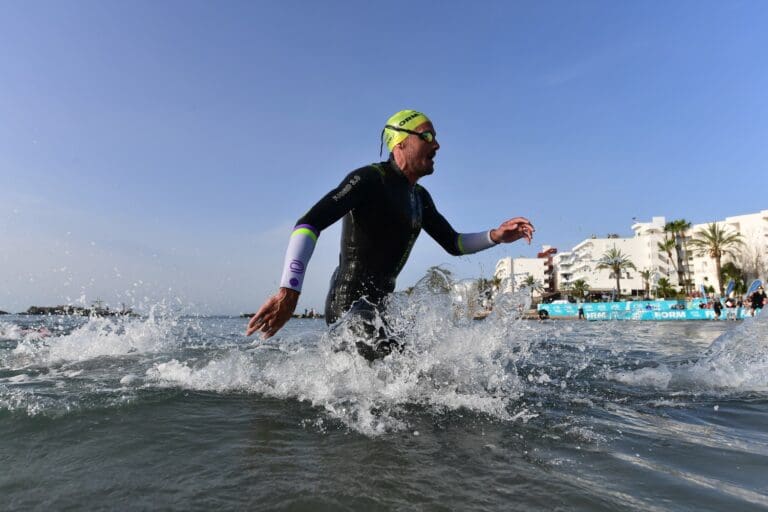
(758,300)
(717,306)
(384,210)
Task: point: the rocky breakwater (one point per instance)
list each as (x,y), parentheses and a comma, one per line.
(76,311)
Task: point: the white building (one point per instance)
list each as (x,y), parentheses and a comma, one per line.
(513,271)
(643,251)
(581,263)
(752,256)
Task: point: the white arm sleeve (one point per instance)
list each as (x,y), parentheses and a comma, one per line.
(300,249)
(475,242)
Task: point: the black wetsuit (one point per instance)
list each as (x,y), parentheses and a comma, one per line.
(717,307)
(383,216)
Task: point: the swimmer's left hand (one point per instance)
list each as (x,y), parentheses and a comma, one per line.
(512,230)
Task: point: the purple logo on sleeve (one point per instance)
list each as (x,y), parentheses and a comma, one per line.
(296,266)
(294,281)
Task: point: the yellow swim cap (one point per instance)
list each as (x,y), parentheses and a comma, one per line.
(407,119)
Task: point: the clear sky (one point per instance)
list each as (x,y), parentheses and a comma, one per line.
(165,149)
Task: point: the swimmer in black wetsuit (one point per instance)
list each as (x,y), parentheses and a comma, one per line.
(384,210)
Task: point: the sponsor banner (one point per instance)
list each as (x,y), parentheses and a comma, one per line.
(639,310)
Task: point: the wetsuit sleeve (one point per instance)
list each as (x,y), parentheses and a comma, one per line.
(441,231)
(352,190)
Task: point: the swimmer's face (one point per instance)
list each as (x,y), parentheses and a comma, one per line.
(420,153)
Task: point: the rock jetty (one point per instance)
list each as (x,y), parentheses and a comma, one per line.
(76,311)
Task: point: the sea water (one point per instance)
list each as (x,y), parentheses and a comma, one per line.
(176,412)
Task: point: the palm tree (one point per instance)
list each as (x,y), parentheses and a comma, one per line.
(533,285)
(664,288)
(580,288)
(717,242)
(678,228)
(666,247)
(646,275)
(615,261)
(731,271)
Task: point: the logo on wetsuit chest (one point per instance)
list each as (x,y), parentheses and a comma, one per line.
(344,191)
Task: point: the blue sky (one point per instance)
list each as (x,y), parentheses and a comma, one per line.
(164,150)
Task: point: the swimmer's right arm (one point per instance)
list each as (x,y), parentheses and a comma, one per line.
(279,308)
(274,314)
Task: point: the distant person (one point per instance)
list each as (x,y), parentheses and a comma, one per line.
(717,307)
(758,300)
(384,210)
(36,332)
(730,308)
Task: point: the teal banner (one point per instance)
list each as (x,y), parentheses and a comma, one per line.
(641,310)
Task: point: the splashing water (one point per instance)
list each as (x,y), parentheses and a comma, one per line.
(450,362)
(502,367)
(590,412)
(737,361)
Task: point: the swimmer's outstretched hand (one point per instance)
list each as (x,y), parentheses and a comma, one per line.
(274,313)
(512,230)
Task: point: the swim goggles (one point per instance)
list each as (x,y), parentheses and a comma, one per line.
(426,136)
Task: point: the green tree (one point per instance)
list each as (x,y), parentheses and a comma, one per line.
(731,271)
(615,261)
(580,288)
(666,247)
(646,275)
(716,242)
(678,228)
(664,289)
(532,285)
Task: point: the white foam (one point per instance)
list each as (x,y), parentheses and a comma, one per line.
(449,364)
(10,331)
(233,372)
(96,338)
(129,380)
(736,361)
(658,378)
(15,400)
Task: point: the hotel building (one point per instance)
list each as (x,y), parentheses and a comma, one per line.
(556,272)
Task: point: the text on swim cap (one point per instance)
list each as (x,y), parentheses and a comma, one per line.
(409,118)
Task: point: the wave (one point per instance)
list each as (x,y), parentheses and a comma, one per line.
(737,361)
(502,367)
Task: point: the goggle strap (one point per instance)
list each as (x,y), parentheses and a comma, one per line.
(381,141)
(421,135)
